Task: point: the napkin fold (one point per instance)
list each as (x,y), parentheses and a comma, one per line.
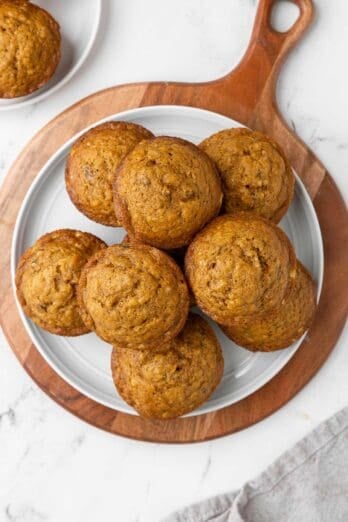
(309,483)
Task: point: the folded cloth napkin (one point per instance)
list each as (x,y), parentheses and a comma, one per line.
(309,483)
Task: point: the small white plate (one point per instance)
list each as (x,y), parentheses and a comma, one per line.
(79,22)
(84,361)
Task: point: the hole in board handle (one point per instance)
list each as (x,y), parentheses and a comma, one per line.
(284,15)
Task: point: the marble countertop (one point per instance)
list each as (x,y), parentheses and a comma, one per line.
(54,467)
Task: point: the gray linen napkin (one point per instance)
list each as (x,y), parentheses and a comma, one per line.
(309,483)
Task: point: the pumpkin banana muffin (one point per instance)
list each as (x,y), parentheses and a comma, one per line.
(29,47)
(165,385)
(47,276)
(284,326)
(178,256)
(165,191)
(240,265)
(92,164)
(134,296)
(255,172)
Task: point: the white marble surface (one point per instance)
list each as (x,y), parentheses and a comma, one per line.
(54,467)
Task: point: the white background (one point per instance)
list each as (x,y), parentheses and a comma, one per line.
(54,467)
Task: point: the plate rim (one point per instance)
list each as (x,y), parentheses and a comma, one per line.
(40,96)
(17,236)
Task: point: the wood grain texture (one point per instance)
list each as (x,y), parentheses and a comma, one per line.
(246,94)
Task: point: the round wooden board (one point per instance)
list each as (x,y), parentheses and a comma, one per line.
(246,94)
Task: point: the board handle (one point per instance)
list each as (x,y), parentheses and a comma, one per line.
(280,41)
(277,43)
(267,51)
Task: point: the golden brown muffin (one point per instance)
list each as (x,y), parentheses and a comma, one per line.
(285,325)
(177,254)
(255,172)
(134,296)
(92,164)
(165,191)
(165,385)
(47,276)
(29,47)
(239,265)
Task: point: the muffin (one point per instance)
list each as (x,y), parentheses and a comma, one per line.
(91,167)
(165,385)
(47,276)
(165,191)
(134,296)
(255,173)
(29,47)
(240,265)
(286,325)
(178,255)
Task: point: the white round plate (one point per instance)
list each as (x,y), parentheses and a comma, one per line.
(79,22)
(84,361)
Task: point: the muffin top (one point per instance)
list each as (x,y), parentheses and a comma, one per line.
(164,385)
(92,164)
(239,265)
(134,296)
(283,326)
(30,47)
(165,191)
(255,172)
(178,255)
(47,276)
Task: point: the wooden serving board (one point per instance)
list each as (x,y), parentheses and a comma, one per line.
(246,94)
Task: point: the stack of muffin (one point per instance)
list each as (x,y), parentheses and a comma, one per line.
(201,229)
